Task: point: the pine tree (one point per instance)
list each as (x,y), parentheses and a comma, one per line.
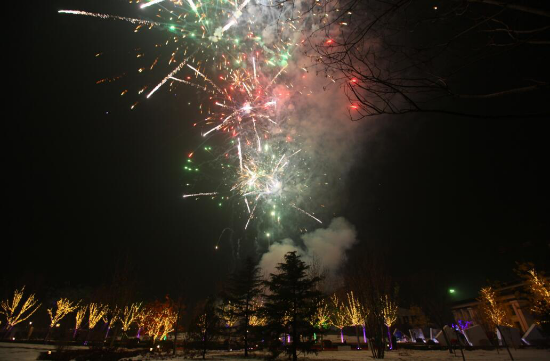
(290,305)
(244,289)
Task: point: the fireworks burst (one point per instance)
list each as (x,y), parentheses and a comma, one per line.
(217,47)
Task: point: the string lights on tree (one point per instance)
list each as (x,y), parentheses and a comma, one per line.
(492,308)
(79,318)
(495,312)
(97,311)
(158,320)
(14,314)
(538,285)
(129,315)
(321,317)
(356,313)
(339,317)
(64,307)
(256,318)
(390,316)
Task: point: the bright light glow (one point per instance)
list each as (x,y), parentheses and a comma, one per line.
(152,2)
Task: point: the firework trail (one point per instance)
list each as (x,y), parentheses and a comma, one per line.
(107,16)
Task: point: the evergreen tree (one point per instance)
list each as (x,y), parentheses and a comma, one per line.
(290,305)
(243,291)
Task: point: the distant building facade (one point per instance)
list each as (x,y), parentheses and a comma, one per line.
(512,296)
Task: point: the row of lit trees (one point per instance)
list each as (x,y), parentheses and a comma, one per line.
(156,319)
(289,304)
(353,313)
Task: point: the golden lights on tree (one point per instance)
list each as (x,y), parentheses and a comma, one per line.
(97,311)
(321,316)
(64,307)
(356,313)
(493,309)
(390,311)
(354,310)
(538,285)
(338,317)
(143,316)
(111,315)
(10,309)
(256,318)
(229,314)
(202,323)
(390,316)
(168,323)
(129,315)
(159,320)
(79,318)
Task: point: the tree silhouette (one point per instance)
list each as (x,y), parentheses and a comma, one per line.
(290,304)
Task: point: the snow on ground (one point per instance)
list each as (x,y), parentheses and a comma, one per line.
(415,355)
(30,352)
(399,355)
(10,351)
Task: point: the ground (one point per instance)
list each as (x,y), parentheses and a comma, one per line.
(10,351)
(30,352)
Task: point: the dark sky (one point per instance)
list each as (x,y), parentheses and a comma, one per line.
(90,182)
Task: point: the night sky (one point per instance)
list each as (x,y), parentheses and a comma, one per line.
(91,183)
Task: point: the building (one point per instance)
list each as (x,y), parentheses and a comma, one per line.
(517,307)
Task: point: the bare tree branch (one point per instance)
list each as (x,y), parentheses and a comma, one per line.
(519,7)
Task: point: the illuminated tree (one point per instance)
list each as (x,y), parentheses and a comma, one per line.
(153,326)
(168,323)
(322,315)
(129,315)
(14,314)
(97,311)
(494,311)
(493,308)
(159,320)
(64,307)
(79,317)
(390,315)
(355,313)
(538,291)
(256,318)
(367,275)
(110,317)
(339,317)
(321,318)
(228,313)
(141,319)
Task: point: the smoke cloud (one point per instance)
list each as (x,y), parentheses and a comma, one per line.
(315,109)
(327,245)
